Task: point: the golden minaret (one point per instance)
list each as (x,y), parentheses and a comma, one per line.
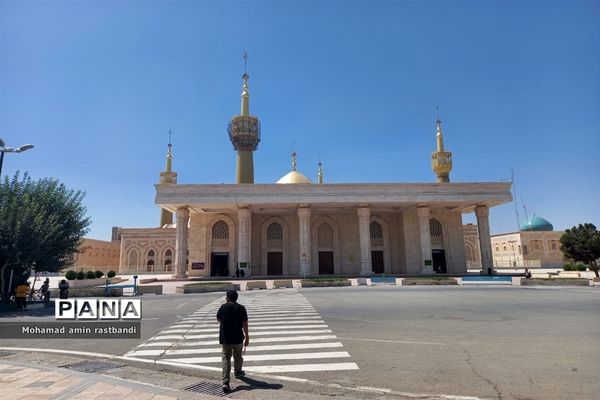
(168,177)
(244,133)
(441,161)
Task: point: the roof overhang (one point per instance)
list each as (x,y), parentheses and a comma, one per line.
(223,198)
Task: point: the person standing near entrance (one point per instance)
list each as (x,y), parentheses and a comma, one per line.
(63,287)
(45,290)
(233,336)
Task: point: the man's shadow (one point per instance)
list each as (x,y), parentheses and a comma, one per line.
(251,384)
(33,310)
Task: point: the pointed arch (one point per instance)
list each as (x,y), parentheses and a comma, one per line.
(378,228)
(168,259)
(150,260)
(327,242)
(133,259)
(224,242)
(274,239)
(469,254)
(437,233)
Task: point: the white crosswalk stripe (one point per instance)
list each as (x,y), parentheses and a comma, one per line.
(287,335)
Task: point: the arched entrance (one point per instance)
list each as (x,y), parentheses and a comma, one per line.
(220,243)
(438,252)
(377,260)
(325,249)
(275,249)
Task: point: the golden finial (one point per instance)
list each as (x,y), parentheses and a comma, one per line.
(294,161)
(245,94)
(441,160)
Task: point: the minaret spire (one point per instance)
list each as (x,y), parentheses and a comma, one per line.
(244,133)
(439,135)
(168,177)
(441,160)
(320,171)
(169,155)
(245,108)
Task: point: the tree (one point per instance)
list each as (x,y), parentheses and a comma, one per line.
(582,243)
(41,226)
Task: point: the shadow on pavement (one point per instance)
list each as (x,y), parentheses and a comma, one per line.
(33,310)
(252,384)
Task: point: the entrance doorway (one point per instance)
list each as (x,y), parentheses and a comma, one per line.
(326,263)
(219,264)
(275,263)
(377,262)
(439,261)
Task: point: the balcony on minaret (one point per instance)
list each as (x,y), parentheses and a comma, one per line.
(168,177)
(244,132)
(441,163)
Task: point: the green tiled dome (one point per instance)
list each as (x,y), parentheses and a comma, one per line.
(536,223)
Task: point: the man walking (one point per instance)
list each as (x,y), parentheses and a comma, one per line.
(234,320)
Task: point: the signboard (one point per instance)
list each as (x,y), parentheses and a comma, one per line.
(198,265)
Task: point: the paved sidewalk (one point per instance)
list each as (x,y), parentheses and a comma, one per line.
(19,381)
(39,375)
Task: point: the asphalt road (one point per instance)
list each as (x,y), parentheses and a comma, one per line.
(485,342)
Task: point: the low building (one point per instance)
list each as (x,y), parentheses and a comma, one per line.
(98,255)
(536,245)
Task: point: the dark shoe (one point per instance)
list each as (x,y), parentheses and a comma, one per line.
(226,388)
(240,374)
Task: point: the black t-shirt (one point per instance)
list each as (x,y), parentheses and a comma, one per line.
(232,316)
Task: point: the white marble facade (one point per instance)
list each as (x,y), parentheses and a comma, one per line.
(314,229)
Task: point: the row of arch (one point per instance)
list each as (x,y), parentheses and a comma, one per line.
(325,251)
(326,257)
(151,260)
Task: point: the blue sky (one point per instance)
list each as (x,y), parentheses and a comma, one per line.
(96,86)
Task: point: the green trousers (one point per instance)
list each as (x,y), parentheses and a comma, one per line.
(228,351)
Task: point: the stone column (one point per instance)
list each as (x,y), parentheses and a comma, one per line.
(244,216)
(304,218)
(181,240)
(425,240)
(485,242)
(364,216)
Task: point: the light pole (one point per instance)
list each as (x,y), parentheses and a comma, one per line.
(4,149)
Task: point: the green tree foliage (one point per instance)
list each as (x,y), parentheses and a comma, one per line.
(582,243)
(41,226)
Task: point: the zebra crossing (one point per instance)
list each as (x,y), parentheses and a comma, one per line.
(286,335)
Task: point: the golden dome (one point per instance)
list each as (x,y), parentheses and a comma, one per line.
(294,177)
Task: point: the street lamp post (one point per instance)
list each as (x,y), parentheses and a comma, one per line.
(5,149)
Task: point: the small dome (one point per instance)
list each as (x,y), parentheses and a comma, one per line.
(536,223)
(294,177)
